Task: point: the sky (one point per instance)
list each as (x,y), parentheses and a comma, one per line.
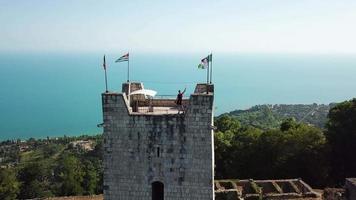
(267,26)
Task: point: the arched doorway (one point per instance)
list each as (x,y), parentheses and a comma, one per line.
(157,191)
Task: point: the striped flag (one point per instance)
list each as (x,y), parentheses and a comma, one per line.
(123,58)
(104,63)
(205,62)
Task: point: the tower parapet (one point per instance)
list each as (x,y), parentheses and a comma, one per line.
(160,153)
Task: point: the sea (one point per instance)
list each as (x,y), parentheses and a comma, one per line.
(56,94)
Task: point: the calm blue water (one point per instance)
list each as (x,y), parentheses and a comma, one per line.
(59,94)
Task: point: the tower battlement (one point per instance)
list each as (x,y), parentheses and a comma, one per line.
(158,153)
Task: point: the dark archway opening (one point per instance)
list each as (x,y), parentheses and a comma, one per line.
(157,191)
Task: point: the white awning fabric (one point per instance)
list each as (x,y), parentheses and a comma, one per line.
(146,92)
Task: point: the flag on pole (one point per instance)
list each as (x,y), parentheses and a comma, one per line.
(205,62)
(123,58)
(106,78)
(104,63)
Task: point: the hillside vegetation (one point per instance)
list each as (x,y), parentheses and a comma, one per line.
(321,157)
(51,167)
(271,116)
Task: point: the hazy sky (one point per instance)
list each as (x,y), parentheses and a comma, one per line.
(290,26)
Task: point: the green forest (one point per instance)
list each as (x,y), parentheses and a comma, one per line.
(51,167)
(264,142)
(323,157)
(271,116)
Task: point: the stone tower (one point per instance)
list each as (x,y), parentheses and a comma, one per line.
(152,151)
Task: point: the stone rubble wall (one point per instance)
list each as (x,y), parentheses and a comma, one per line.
(264,189)
(350,188)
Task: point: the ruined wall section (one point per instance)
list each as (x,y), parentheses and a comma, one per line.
(175,149)
(350,187)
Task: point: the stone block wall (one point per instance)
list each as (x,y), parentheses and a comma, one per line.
(350,187)
(162,102)
(133,87)
(286,189)
(176,150)
(203,87)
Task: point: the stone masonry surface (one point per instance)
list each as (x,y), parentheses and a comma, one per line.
(173,149)
(350,187)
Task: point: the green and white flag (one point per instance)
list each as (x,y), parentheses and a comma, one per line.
(205,62)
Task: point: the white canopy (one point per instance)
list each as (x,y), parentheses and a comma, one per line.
(146,92)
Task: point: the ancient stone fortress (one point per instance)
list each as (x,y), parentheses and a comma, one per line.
(156,150)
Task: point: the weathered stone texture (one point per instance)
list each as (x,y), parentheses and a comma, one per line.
(286,189)
(334,194)
(350,187)
(174,149)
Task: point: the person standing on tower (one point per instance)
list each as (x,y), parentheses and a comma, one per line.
(179,99)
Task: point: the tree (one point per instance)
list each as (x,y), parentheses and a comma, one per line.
(222,146)
(226,128)
(9,186)
(35,177)
(90,179)
(69,174)
(341,136)
(294,150)
(227,122)
(304,151)
(288,124)
(49,150)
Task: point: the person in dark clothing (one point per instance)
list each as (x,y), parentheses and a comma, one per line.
(180,97)
(179,100)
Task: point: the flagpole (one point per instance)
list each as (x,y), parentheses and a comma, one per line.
(106,81)
(128,70)
(207,74)
(207,77)
(106,78)
(211,67)
(128,78)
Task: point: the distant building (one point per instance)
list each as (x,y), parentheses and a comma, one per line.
(86,145)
